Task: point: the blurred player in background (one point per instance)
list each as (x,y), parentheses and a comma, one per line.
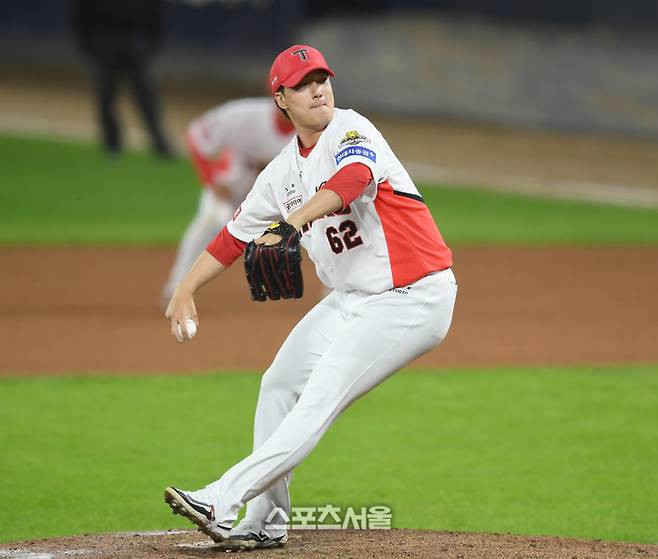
(229,145)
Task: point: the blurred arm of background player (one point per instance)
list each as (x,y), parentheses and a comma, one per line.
(207,267)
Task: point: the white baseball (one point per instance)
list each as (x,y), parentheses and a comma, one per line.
(191,328)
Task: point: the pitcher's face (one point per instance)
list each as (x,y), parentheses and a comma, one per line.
(310,104)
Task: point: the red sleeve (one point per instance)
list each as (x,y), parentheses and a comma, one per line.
(226,248)
(201,164)
(208,169)
(349,182)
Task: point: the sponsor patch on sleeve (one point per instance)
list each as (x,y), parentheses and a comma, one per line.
(356,151)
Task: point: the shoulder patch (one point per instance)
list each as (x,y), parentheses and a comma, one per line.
(352,138)
(352,151)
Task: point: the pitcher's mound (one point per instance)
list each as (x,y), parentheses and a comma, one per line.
(312,544)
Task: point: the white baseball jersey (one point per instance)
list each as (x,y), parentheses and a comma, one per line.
(246,127)
(246,134)
(386,238)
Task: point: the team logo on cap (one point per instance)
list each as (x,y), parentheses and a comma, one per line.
(301,53)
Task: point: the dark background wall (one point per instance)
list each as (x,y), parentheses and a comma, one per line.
(260,24)
(614,12)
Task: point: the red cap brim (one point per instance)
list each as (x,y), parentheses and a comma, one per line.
(296,77)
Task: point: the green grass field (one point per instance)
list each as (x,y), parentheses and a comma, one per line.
(563,451)
(569,452)
(65,192)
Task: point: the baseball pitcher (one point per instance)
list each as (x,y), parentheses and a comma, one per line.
(338,190)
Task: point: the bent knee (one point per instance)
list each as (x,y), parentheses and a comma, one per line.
(274,380)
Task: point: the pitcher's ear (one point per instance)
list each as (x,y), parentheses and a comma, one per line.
(280,100)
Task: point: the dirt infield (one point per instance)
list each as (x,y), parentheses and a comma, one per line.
(323,544)
(90,310)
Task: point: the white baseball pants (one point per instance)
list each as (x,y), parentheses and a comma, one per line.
(344,347)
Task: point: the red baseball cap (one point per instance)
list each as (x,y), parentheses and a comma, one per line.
(294,63)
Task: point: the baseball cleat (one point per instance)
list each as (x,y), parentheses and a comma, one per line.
(253,539)
(199,512)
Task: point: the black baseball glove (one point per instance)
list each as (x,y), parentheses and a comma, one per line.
(274,271)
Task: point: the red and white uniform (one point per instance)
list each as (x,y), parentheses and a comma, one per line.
(393,301)
(229,146)
(385,238)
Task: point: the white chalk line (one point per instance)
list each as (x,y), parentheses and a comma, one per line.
(534,186)
(25,554)
(29,554)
